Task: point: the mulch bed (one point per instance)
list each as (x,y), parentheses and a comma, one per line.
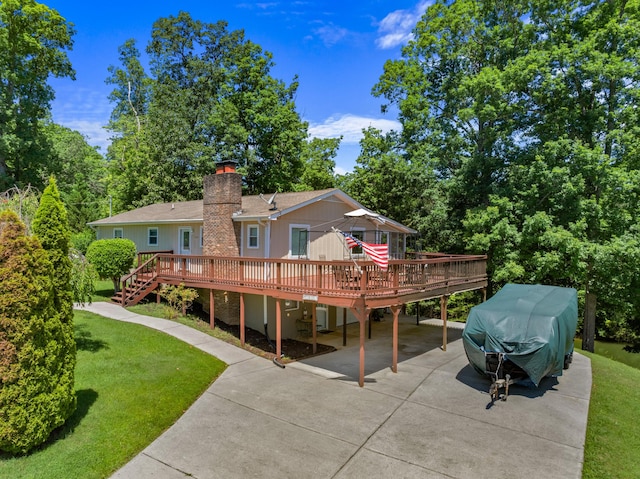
(258,343)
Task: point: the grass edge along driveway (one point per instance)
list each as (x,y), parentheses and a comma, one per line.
(132,383)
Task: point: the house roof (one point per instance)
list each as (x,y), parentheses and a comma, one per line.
(253,208)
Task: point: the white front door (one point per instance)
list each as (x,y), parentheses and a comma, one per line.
(185,241)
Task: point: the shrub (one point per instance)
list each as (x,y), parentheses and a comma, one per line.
(112,258)
(81,241)
(34,400)
(179,298)
(83,278)
(51,226)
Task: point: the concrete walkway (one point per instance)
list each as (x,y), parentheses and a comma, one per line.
(433,419)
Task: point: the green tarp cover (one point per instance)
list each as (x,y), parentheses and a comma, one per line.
(533,324)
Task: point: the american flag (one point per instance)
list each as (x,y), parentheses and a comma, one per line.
(379,253)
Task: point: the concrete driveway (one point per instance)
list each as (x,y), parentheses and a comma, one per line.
(432,419)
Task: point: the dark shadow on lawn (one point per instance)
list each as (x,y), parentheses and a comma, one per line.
(84,341)
(86,399)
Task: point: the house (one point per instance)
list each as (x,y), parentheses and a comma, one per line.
(279,263)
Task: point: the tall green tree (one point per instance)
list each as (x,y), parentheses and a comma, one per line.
(51,227)
(33,400)
(401,186)
(210,97)
(454,93)
(81,174)
(131,175)
(318,164)
(33,43)
(527,114)
(215,99)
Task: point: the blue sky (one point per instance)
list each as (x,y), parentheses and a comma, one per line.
(337,49)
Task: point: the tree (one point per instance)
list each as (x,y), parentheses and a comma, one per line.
(318,164)
(130,170)
(456,100)
(400,186)
(81,173)
(527,114)
(51,227)
(33,398)
(211,97)
(33,40)
(112,258)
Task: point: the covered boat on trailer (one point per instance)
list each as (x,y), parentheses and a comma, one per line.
(522,332)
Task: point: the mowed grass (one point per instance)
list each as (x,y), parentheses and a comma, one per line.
(613,431)
(132,383)
(104,290)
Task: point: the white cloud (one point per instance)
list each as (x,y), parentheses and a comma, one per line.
(93,131)
(350,127)
(331,34)
(396,28)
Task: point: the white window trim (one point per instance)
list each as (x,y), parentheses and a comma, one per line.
(249,228)
(358,229)
(121,233)
(299,226)
(180,231)
(149,235)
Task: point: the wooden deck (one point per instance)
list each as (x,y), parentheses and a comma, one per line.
(360,286)
(337,283)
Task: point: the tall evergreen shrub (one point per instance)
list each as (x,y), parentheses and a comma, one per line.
(33,398)
(51,226)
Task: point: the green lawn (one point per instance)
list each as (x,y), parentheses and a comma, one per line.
(613,431)
(104,290)
(132,384)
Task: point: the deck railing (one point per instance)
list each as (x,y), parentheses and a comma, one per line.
(329,278)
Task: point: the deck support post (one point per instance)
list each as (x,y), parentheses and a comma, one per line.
(395,310)
(344,326)
(242,319)
(361,319)
(443,315)
(362,314)
(212,316)
(314,327)
(278,328)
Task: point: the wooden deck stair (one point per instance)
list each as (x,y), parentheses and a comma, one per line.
(137,285)
(134,292)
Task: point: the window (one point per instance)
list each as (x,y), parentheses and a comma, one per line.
(291,305)
(117,233)
(152,237)
(201,237)
(252,235)
(299,246)
(358,234)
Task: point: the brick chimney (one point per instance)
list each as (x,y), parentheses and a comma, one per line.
(222,198)
(221,235)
